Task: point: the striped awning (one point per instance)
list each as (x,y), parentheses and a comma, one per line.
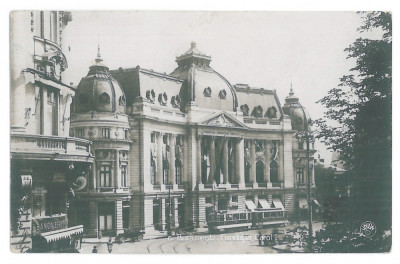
(264,204)
(278,204)
(250,205)
(62,233)
(317,203)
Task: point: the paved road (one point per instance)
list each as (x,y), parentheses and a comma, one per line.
(238,243)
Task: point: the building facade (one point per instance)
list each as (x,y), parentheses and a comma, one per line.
(187,149)
(47,165)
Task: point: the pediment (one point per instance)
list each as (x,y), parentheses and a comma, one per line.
(222,120)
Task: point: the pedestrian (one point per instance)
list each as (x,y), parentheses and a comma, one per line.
(260,239)
(109,245)
(94,249)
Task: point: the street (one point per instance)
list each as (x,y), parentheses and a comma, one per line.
(225,243)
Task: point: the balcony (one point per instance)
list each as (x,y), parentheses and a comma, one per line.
(112,190)
(40,147)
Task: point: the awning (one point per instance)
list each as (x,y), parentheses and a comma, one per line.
(62,233)
(264,204)
(278,204)
(250,205)
(303,203)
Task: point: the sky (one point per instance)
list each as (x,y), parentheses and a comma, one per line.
(272,50)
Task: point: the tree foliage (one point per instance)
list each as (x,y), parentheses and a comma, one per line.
(370,79)
(346,238)
(357,120)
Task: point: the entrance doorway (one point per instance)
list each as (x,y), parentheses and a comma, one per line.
(106,219)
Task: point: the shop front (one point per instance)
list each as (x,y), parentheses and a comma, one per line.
(52,234)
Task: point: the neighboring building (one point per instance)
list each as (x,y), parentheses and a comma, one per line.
(99,114)
(333,189)
(47,165)
(187,150)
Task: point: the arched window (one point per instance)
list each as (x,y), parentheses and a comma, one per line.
(274,171)
(204,169)
(152,170)
(217,174)
(246,171)
(104,98)
(165,170)
(259,171)
(178,171)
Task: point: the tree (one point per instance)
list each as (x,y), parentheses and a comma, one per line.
(357,120)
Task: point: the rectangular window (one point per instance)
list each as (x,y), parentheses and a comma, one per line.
(124,181)
(125,214)
(301,145)
(79,133)
(153,137)
(300,175)
(178,174)
(152,171)
(50,97)
(126,131)
(105,176)
(105,133)
(235,199)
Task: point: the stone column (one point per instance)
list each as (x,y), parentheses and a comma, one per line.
(281,162)
(163,213)
(212,160)
(93,173)
(171,173)
(117,179)
(239,162)
(225,156)
(202,212)
(199,159)
(118,217)
(159,177)
(148,207)
(253,162)
(267,161)
(175,213)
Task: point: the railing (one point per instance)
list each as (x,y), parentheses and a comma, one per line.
(105,189)
(276,185)
(248,185)
(51,143)
(39,144)
(181,186)
(208,186)
(262,184)
(157,187)
(169,187)
(236,186)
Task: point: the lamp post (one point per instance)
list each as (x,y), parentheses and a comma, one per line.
(310,227)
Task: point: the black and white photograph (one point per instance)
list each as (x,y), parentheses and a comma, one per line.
(200,132)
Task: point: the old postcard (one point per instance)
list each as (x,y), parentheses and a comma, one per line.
(200,132)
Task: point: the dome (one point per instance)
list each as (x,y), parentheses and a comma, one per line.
(203,85)
(298,114)
(99,91)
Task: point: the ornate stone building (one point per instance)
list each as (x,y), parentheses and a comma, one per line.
(47,165)
(188,149)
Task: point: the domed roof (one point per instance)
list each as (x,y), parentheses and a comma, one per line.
(203,84)
(99,91)
(299,115)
